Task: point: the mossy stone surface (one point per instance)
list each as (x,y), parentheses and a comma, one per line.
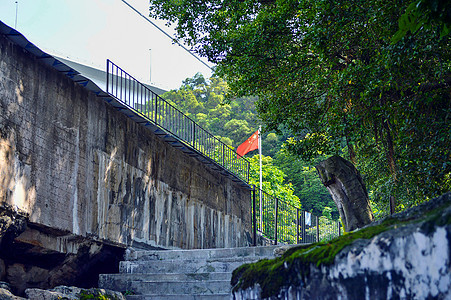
(293,267)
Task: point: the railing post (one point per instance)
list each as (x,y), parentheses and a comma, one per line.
(297,225)
(303,235)
(107,75)
(223,154)
(339,227)
(276,213)
(156,109)
(254,218)
(317,229)
(120,95)
(194,135)
(248,170)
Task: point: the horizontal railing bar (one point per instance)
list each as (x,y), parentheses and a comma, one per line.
(181,131)
(186,130)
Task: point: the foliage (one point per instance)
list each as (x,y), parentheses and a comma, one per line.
(311,192)
(273,180)
(328,229)
(425,13)
(204,102)
(234,118)
(85,295)
(274,186)
(233,123)
(328,71)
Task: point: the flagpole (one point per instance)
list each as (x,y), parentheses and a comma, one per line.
(261,187)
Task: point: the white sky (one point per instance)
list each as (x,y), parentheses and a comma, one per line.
(90,31)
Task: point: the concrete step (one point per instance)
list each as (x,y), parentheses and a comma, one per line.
(125,282)
(182,266)
(267,251)
(180,297)
(181,274)
(211,287)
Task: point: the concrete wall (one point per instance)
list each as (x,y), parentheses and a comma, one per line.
(76,165)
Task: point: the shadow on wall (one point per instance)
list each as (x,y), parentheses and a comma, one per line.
(90,182)
(31,254)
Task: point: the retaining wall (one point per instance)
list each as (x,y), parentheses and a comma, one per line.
(79,167)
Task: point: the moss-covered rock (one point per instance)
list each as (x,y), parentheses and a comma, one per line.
(378,261)
(73,293)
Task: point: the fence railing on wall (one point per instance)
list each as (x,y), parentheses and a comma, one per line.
(277,221)
(139,98)
(282,223)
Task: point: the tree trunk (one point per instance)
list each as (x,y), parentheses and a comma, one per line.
(348,191)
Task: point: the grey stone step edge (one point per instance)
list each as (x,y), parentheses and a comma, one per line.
(180,297)
(212,287)
(265,251)
(243,260)
(177,277)
(134,267)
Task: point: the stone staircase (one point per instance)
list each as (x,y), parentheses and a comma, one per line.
(181,274)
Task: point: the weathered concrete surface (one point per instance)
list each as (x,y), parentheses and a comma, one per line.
(80,181)
(75,164)
(39,257)
(181,274)
(409,261)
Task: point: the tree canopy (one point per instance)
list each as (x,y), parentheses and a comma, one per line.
(329,72)
(284,176)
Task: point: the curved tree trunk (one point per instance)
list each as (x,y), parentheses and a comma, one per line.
(348,191)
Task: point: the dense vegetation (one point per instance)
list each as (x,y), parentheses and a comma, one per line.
(369,80)
(284,176)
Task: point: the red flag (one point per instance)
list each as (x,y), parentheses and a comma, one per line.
(248,145)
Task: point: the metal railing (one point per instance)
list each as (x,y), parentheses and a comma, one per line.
(140,99)
(277,220)
(280,222)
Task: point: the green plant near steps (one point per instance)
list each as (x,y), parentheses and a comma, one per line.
(128,293)
(85,295)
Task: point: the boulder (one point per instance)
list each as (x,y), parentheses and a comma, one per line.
(406,256)
(5,292)
(12,222)
(72,293)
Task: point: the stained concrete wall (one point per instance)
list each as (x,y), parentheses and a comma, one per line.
(76,165)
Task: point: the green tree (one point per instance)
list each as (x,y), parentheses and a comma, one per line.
(274,185)
(236,129)
(425,13)
(308,187)
(203,100)
(328,71)
(273,180)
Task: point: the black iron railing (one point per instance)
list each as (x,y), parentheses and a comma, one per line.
(280,222)
(276,220)
(140,99)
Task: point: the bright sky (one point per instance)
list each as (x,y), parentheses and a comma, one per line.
(90,31)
